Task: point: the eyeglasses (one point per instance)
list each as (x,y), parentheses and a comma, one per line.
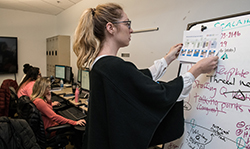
(128,23)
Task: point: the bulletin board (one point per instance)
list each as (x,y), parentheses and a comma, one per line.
(217,110)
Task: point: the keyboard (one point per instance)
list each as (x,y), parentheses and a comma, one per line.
(57,98)
(55,85)
(73,113)
(84,95)
(63,105)
(67,85)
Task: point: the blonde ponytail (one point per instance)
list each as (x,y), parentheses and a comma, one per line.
(89,33)
(85,45)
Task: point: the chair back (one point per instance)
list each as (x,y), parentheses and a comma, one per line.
(27,110)
(17,134)
(13,102)
(5,96)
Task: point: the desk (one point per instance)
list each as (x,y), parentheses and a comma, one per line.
(68,98)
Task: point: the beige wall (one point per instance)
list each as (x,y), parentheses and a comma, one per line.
(32,29)
(171,16)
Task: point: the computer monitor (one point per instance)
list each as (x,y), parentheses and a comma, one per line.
(79,75)
(85,80)
(68,74)
(60,71)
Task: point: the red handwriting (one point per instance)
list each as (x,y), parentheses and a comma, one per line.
(206,86)
(230,34)
(215,106)
(232,71)
(228,105)
(209,109)
(223,43)
(223,89)
(238,94)
(243,130)
(172,146)
(203,104)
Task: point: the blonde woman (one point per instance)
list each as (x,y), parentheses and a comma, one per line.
(41,97)
(128,109)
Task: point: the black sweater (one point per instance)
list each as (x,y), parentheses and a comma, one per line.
(128,110)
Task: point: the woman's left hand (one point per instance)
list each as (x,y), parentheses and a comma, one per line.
(81,122)
(56,103)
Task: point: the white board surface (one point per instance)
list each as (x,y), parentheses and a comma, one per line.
(217,111)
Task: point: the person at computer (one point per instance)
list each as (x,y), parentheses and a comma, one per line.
(26,68)
(41,97)
(128,108)
(25,87)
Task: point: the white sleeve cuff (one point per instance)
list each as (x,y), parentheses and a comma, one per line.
(158,69)
(188,80)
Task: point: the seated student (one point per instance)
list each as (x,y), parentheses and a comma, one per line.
(41,97)
(26,68)
(25,87)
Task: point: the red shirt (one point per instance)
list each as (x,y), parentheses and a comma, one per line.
(50,118)
(26,89)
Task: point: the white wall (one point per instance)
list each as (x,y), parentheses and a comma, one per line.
(32,29)
(171,16)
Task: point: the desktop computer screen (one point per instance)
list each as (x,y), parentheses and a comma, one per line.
(79,75)
(60,71)
(85,80)
(68,74)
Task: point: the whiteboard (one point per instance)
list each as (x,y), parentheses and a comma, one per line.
(217,111)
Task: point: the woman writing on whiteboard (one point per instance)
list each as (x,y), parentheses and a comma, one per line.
(127,107)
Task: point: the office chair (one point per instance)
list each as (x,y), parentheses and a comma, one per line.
(13,102)
(27,110)
(5,96)
(16,134)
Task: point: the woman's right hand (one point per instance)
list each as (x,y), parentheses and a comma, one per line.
(48,96)
(173,53)
(81,122)
(205,65)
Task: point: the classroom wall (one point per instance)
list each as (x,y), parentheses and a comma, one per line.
(171,16)
(32,29)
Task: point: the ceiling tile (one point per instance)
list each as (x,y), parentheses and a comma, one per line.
(52,7)
(64,4)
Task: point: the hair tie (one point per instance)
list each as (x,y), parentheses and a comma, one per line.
(93,11)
